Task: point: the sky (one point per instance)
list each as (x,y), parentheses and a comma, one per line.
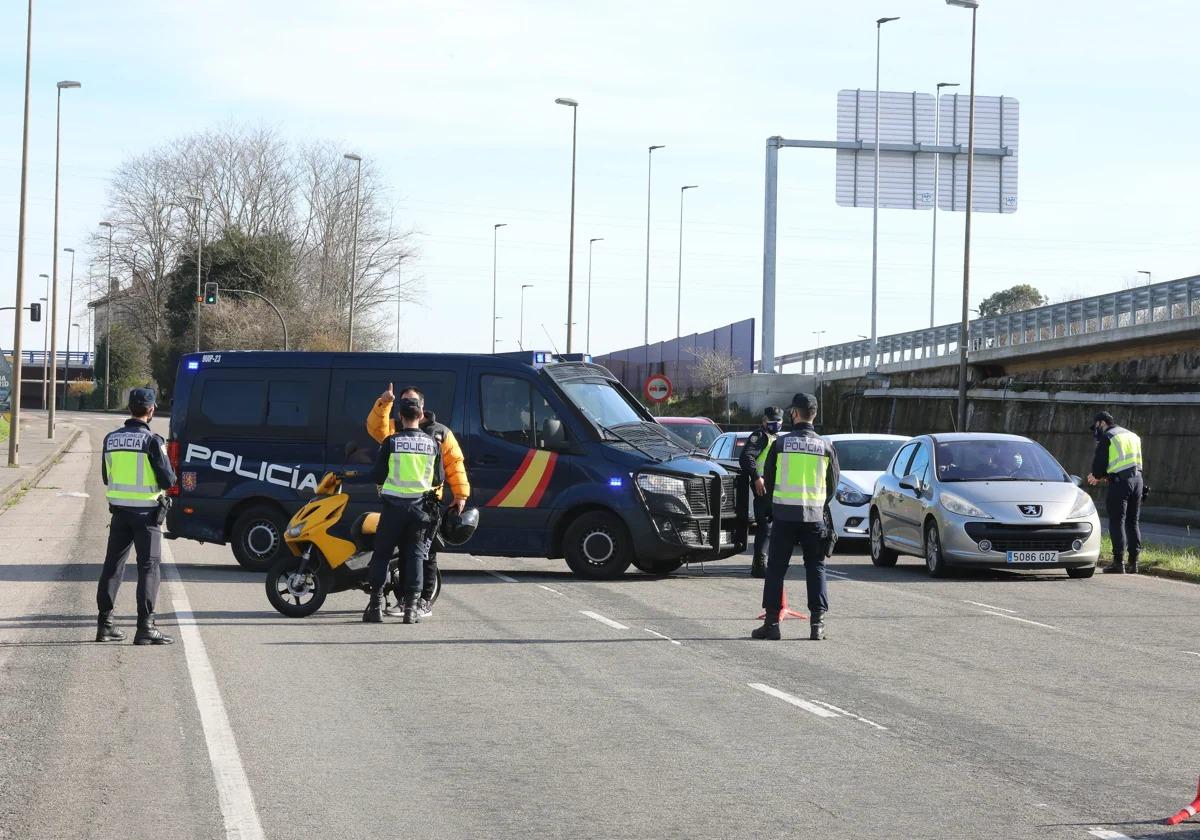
(454,102)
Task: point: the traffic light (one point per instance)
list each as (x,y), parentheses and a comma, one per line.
(210,294)
(35,312)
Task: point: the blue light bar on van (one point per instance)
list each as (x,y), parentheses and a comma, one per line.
(615,482)
(193,366)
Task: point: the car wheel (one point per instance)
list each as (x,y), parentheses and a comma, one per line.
(1081,572)
(935,559)
(657,567)
(881,555)
(597,546)
(258,537)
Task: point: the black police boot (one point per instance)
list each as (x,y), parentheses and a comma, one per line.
(411,614)
(758,567)
(816,626)
(768,631)
(1132,566)
(1116,567)
(148,634)
(106,631)
(373,614)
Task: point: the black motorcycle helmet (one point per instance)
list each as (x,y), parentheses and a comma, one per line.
(457,528)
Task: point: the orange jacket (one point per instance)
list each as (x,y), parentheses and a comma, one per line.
(380,427)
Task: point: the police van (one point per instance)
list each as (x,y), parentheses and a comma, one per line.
(563,461)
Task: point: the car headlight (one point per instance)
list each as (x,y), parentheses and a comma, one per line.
(959,505)
(664,493)
(850,496)
(1084,506)
(294,531)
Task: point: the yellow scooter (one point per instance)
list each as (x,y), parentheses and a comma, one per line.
(326,556)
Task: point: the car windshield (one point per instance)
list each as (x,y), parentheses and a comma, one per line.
(601,403)
(865,455)
(996,460)
(694,435)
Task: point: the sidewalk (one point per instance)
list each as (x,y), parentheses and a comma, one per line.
(37,453)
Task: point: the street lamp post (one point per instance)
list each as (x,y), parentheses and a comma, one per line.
(679,281)
(591,242)
(45,340)
(574,106)
(354,246)
(521,328)
(108,320)
(821,378)
(875,204)
(495,237)
(53,387)
(649,172)
(14,433)
(1147,273)
(197,200)
(964,326)
(937,122)
(70,315)
(66,375)
(399,299)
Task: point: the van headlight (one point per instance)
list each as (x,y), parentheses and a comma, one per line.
(850,496)
(664,493)
(1084,506)
(957,504)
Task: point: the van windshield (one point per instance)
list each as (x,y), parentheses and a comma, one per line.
(600,403)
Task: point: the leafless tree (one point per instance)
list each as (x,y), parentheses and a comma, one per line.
(713,370)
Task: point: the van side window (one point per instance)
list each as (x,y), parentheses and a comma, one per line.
(513,410)
(234,403)
(268,403)
(288,403)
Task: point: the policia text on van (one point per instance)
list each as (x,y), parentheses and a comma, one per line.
(564,462)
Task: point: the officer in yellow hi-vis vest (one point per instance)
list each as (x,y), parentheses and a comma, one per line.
(136,471)
(801,477)
(752,460)
(408,471)
(1119,459)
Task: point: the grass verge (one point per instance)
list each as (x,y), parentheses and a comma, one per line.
(3,427)
(1166,560)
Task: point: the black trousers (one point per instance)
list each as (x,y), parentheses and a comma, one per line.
(131,528)
(785,535)
(405,527)
(1124,503)
(428,575)
(762,524)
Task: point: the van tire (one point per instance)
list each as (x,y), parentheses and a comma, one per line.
(257,537)
(657,567)
(597,546)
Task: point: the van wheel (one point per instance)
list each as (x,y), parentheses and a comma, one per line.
(881,555)
(258,537)
(597,546)
(657,567)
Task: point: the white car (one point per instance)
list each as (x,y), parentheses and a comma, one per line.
(862,459)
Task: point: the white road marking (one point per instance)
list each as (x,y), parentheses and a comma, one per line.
(989,607)
(661,636)
(616,625)
(852,715)
(233,788)
(1022,620)
(1191,653)
(1105,834)
(819,711)
(836,574)
(549,589)
(503,577)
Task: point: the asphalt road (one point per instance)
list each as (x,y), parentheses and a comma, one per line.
(533,704)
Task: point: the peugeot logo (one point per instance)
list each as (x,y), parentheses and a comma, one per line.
(1031,510)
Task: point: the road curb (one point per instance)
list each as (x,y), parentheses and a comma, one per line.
(49,461)
(1173,574)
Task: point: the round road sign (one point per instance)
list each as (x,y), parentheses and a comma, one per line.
(657,388)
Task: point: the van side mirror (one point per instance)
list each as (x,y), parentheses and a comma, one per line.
(557,445)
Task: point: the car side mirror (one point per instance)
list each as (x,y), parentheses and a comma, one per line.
(910,483)
(1077,481)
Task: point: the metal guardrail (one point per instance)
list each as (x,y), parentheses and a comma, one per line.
(1172,300)
(82,358)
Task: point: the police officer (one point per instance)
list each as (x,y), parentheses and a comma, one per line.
(379,426)
(801,475)
(136,471)
(1118,458)
(753,459)
(407,470)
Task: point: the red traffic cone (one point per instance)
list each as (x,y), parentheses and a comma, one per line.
(786,613)
(1188,810)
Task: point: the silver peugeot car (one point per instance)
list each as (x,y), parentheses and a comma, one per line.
(982,500)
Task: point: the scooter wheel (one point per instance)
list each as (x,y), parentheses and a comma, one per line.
(293,594)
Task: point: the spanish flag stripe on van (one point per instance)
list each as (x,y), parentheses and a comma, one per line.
(528,485)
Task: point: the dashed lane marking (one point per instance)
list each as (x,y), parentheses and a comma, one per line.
(1022,620)
(661,636)
(819,711)
(1191,653)
(502,576)
(989,607)
(1105,834)
(233,788)
(616,625)
(549,588)
(859,718)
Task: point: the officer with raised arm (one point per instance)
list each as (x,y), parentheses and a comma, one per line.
(801,473)
(136,471)
(752,460)
(1118,459)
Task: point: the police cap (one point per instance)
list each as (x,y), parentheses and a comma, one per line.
(806,403)
(1105,416)
(772,413)
(141,398)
